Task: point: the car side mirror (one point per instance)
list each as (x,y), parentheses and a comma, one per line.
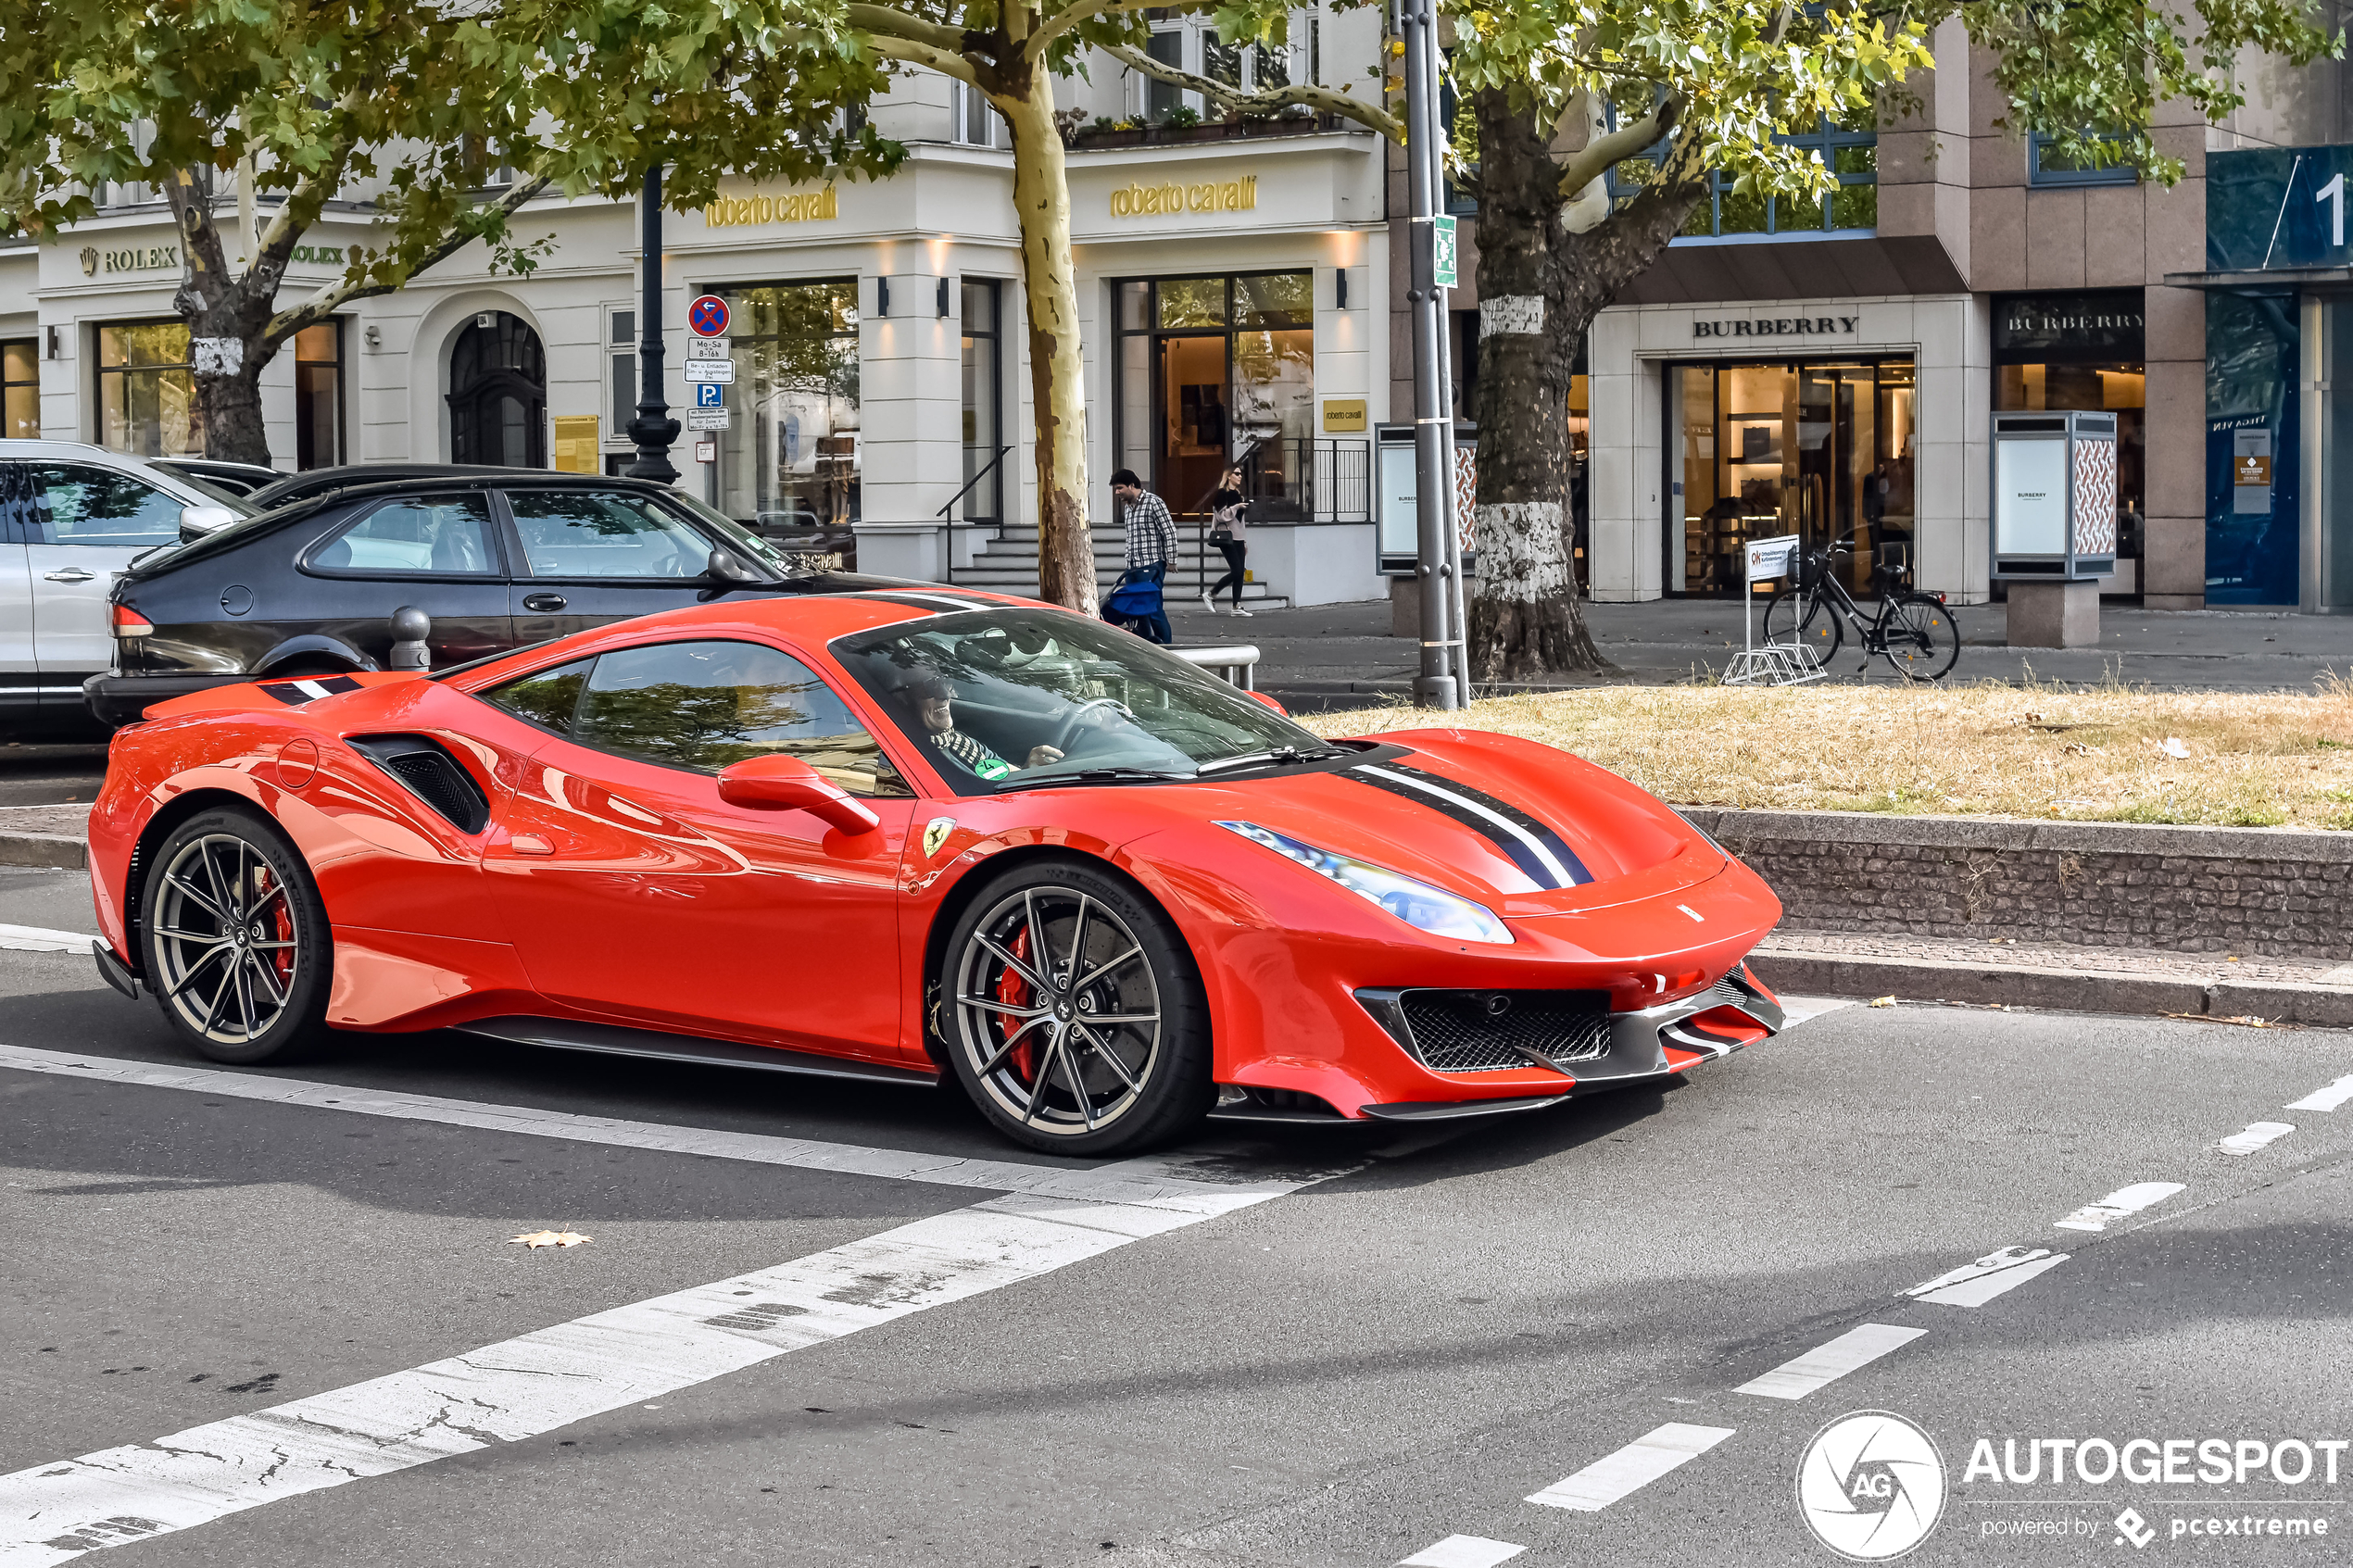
(787,783)
(729,566)
(197,522)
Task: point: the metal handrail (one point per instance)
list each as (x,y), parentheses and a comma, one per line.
(1225,659)
(976,479)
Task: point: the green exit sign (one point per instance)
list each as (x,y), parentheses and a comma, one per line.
(1443,242)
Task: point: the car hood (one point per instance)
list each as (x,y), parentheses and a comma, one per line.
(1525,830)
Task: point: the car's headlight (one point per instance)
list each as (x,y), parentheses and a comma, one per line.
(1416,903)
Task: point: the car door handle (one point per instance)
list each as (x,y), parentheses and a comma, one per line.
(71,575)
(543,602)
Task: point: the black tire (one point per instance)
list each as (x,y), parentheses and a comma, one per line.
(1797,614)
(1924,640)
(1019,1041)
(223,876)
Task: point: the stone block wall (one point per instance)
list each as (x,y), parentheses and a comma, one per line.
(2271,891)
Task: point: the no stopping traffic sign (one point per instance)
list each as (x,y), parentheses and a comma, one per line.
(707,316)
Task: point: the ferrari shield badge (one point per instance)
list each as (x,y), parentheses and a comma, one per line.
(935,834)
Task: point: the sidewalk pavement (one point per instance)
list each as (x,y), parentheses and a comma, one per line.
(1341,656)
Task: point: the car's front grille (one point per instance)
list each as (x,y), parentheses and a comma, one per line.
(1484,1031)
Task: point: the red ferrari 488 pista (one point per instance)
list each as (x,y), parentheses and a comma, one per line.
(908,835)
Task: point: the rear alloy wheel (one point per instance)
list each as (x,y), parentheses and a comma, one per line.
(1072,1015)
(238,943)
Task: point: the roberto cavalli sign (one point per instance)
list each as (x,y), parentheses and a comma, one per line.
(1777,326)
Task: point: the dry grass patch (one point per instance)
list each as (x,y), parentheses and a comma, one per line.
(2098,756)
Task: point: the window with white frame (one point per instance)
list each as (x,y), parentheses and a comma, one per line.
(975,124)
(1190,43)
(621,371)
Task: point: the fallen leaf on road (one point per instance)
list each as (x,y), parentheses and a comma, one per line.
(538,1239)
(2171,746)
(1883,1001)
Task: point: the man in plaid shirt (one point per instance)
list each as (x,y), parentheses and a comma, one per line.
(1151,538)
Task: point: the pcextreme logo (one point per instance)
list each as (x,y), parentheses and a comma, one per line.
(1870,1486)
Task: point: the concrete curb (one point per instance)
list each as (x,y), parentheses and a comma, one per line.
(1826,975)
(50,850)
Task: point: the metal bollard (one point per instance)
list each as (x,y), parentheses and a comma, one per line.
(410,627)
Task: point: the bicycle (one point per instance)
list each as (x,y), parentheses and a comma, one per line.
(1914,630)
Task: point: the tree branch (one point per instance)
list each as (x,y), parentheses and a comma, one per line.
(336,295)
(1326,100)
(888,21)
(1085,10)
(948,62)
(1603,152)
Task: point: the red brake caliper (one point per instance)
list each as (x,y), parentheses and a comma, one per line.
(1014,991)
(281,930)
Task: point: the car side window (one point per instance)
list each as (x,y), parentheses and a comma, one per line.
(549,697)
(605,534)
(419,535)
(95,506)
(705,705)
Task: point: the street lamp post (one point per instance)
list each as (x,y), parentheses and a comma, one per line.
(1438,569)
(653,430)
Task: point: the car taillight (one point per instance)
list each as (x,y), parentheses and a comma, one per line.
(129,622)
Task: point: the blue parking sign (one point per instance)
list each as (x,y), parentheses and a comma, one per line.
(706,395)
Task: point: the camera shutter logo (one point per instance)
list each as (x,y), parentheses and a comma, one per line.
(1870,1486)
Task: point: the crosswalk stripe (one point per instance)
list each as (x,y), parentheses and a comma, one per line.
(1131,1180)
(1631,1468)
(2254,1135)
(42,939)
(2123,1203)
(1463,1551)
(2328,1098)
(1973,1284)
(524,1386)
(1827,1363)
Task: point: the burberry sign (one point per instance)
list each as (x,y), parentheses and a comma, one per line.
(1777,326)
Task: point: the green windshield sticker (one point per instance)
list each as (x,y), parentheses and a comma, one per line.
(992,767)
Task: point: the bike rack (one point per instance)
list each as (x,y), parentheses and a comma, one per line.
(1774,664)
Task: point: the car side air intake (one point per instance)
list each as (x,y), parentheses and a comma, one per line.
(431,774)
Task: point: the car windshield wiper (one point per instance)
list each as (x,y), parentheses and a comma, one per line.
(1095,775)
(1279,754)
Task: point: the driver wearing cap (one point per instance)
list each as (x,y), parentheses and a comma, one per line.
(933,700)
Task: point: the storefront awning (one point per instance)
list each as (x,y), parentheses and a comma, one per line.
(2269,278)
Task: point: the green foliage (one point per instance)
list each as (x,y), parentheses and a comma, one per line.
(410,104)
(1182,117)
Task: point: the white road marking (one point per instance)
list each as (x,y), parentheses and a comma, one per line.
(2336,1094)
(2120,1204)
(1973,1284)
(525,1386)
(1827,1363)
(41,939)
(1797,1009)
(1463,1551)
(1140,1180)
(1631,1468)
(2254,1135)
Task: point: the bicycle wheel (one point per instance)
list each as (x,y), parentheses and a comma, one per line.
(1920,638)
(1797,615)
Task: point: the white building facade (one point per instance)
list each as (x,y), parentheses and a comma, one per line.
(1233,285)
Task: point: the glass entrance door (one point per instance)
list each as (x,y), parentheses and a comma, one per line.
(1822,450)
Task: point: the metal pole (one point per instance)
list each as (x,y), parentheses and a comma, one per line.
(1434,500)
(653,430)
(1452,565)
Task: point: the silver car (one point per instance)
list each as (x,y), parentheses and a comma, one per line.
(71,515)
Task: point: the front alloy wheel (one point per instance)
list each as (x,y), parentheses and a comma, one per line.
(1071,1015)
(236,938)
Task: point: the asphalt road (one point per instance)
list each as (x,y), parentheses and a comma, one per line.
(931,1347)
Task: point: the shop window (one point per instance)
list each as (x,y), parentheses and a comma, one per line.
(620,365)
(793,460)
(319,395)
(146,391)
(20,390)
(1823,450)
(1726,211)
(1219,369)
(2046,166)
(983,414)
(2083,350)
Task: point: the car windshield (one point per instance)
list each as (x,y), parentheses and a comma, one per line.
(747,544)
(1014,698)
